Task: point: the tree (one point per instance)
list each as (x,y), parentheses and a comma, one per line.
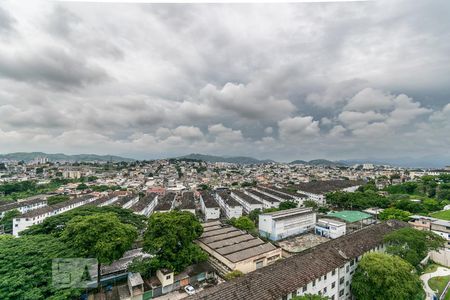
(233,274)
(287,205)
(254,215)
(7,220)
(26,268)
(244,223)
(310,203)
(310,297)
(382,276)
(82,186)
(100,236)
(169,237)
(411,244)
(55,225)
(394,213)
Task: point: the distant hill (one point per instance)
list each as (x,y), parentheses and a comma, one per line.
(298,162)
(234,159)
(318,162)
(29,156)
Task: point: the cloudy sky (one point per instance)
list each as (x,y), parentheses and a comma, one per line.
(297,81)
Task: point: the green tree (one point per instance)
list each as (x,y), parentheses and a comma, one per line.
(82,186)
(26,268)
(7,220)
(254,215)
(287,205)
(233,274)
(169,237)
(100,236)
(411,244)
(310,203)
(244,223)
(394,213)
(382,276)
(310,297)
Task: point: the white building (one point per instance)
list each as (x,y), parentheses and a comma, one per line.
(281,224)
(442,228)
(146,205)
(187,202)
(248,203)
(210,208)
(71,174)
(37,216)
(267,201)
(230,206)
(330,228)
(23,206)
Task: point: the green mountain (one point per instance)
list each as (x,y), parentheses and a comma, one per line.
(298,162)
(324,162)
(29,156)
(244,160)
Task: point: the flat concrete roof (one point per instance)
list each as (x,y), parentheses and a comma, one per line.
(349,216)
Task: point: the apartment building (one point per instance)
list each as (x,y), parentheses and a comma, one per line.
(37,216)
(326,269)
(165,203)
(187,202)
(266,200)
(281,224)
(23,206)
(231,207)
(248,203)
(330,228)
(210,208)
(127,201)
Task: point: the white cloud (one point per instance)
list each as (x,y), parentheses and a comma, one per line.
(298,128)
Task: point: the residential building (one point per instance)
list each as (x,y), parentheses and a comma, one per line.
(23,206)
(236,249)
(231,207)
(330,228)
(210,208)
(248,203)
(326,269)
(127,201)
(187,202)
(145,205)
(421,222)
(442,228)
(266,200)
(37,216)
(165,203)
(282,224)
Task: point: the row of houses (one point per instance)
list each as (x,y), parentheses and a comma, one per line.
(326,269)
(22,206)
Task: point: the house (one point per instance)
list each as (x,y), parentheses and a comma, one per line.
(282,224)
(275,194)
(146,205)
(22,206)
(316,190)
(326,269)
(442,228)
(231,207)
(210,208)
(421,222)
(236,249)
(165,203)
(127,201)
(187,202)
(330,228)
(37,216)
(248,203)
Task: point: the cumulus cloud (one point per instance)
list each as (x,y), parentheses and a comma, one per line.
(292,81)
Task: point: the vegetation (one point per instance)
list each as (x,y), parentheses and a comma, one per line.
(23,189)
(244,223)
(357,200)
(310,203)
(233,274)
(438,284)
(54,225)
(169,238)
(382,276)
(7,220)
(444,215)
(412,245)
(26,266)
(100,236)
(394,213)
(287,205)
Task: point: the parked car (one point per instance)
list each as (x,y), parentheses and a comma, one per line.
(189,289)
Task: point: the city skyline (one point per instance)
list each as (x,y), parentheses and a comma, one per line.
(280,81)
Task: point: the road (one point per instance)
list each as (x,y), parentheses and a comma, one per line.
(441,271)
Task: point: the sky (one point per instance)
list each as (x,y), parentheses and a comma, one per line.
(343,80)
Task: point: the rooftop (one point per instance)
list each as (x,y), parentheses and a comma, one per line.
(289,212)
(326,186)
(14,205)
(50,208)
(262,196)
(187,201)
(287,275)
(349,216)
(226,197)
(245,197)
(208,199)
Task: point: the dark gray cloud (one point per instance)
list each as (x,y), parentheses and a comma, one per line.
(285,81)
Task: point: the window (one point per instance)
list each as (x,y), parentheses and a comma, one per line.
(341,281)
(333,285)
(167,277)
(332,297)
(259,264)
(325,277)
(304,289)
(314,282)
(352,263)
(347,269)
(341,293)
(324,290)
(333,273)
(347,283)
